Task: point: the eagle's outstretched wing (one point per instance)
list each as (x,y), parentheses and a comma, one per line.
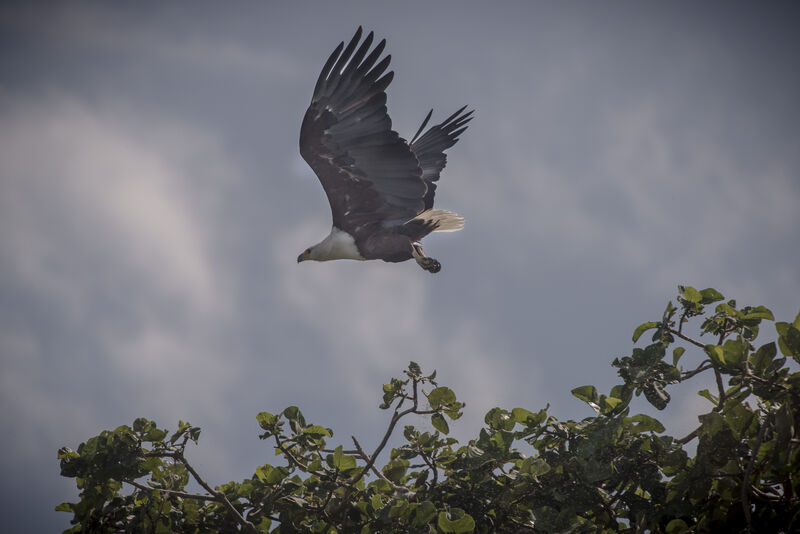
(430,148)
(369,173)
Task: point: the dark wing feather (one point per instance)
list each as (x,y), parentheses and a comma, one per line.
(369,173)
(430,148)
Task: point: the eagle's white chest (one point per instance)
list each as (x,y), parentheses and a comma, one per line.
(339,245)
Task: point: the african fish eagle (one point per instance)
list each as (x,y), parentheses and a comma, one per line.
(379,186)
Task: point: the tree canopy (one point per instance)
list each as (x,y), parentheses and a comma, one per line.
(526,471)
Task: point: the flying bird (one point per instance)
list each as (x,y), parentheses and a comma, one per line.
(380,187)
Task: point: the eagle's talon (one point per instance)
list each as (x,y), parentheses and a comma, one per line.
(429,264)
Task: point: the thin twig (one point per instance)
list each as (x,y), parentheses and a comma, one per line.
(686,439)
(680,323)
(223,499)
(185,495)
(292,458)
(705,366)
(721,389)
(763,495)
(347,452)
(749,374)
(176,493)
(375,470)
(396,416)
(686,338)
(431,465)
(745,491)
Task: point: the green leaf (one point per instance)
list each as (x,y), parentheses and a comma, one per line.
(796,322)
(788,339)
(677,352)
(707,395)
(521,415)
(644,423)
(342,461)
(265,524)
(266,420)
(423,514)
(141,424)
(395,470)
(398,509)
(338,457)
(677,526)
(716,353)
(317,430)
(595,471)
(441,396)
(414,369)
(727,308)
(709,295)
(271,475)
(711,423)
(456,521)
(669,312)
(526,417)
(534,466)
(293,413)
(587,394)
(499,419)
(623,392)
(65,507)
(438,422)
(608,404)
(759,312)
(299,501)
(735,352)
(155,434)
(655,395)
(67,453)
(761,358)
(691,294)
(738,416)
(642,328)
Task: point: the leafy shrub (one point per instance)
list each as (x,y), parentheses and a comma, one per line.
(614,472)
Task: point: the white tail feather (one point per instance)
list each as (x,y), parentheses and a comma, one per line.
(446,221)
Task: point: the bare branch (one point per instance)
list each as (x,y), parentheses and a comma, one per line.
(347,452)
(705,366)
(396,416)
(431,465)
(292,458)
(686,439)
(176,493)
(721,389)
(685,337)
(375,470)
(221,496)
(745,491)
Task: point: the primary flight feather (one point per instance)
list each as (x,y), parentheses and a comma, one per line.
(381,188)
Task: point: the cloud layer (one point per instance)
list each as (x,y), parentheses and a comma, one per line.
(152,205)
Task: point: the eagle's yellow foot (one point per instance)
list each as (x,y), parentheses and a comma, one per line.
(429,264)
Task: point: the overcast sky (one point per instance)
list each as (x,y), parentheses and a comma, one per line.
(153,204)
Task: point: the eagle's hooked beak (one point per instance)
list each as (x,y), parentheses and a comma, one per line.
(304,256)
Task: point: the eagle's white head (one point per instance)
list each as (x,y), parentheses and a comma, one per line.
(339,245)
